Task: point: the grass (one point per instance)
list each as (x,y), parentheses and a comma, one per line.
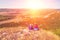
(57,31)
(14,33)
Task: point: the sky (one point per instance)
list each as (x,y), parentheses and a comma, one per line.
(28,3)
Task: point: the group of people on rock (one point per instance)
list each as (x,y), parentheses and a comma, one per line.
(33,27)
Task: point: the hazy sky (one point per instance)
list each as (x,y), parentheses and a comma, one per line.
(23,3)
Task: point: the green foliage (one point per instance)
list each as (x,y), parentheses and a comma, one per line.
(57,31)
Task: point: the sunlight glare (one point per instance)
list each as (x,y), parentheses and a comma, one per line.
(35,4)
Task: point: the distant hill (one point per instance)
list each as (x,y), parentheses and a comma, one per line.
(16,11)
(50,16)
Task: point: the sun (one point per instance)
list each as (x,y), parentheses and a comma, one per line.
(34,4)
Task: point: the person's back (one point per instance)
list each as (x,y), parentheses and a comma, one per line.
(30,27)
(36,27)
